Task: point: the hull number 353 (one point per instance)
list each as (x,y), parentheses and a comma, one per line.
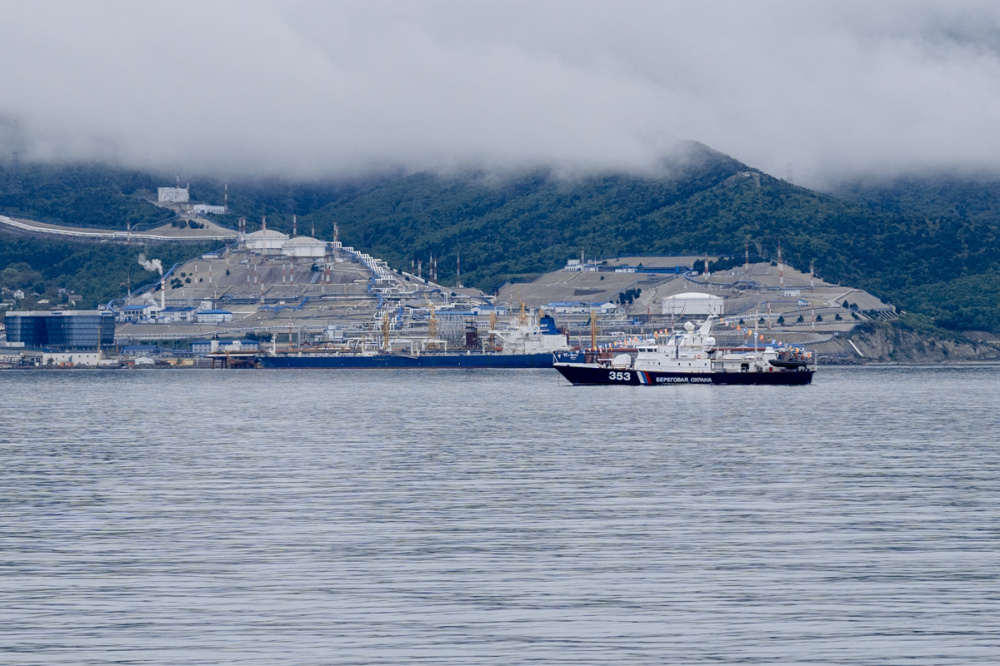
(620,376)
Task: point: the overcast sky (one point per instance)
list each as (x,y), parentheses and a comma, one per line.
(320,88)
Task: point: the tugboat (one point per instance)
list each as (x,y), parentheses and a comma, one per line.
(688,357)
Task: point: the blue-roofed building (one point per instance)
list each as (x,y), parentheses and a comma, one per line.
(175,314)
(499,310)
(137,312)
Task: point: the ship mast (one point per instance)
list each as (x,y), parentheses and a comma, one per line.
(385,330)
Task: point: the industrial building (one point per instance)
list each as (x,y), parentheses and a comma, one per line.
(67,329)
(208,209)
(172,195)
(213,316)
(212,346)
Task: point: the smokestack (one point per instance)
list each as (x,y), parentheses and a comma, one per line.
(163,294)
(295,226)
(263,223)
(781,269)
(225,198)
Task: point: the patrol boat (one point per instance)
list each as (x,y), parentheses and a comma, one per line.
(688,357)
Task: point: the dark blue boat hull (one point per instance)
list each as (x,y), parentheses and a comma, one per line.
(591,374)
(443,360)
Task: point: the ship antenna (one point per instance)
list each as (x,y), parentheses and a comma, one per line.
(593,330)
(385,329)
(756,319)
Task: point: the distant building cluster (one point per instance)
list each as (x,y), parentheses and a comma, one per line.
(152,313)
(181,196)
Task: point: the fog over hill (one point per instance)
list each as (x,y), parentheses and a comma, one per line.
(310,89)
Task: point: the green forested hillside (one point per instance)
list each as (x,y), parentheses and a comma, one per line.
(82,195)
(929,246)
(943,264)
(97,272)
(956,218)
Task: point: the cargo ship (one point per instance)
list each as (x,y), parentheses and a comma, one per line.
(688,357)
(528,342)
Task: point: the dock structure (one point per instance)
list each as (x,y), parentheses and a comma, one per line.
(303,293)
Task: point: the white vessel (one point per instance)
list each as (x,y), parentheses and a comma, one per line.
(530,334)
(689,357)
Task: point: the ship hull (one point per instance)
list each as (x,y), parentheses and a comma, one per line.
(579,373)
(392,361)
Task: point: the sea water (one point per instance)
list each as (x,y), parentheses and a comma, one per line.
(470,517)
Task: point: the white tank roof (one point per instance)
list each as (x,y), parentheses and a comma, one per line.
(305,241)
(695,295)
(266,234)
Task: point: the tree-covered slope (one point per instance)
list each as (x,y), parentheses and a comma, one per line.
(523,225)
(925,246)
(97,272)
(82,195)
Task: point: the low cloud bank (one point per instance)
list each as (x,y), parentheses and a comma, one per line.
(315,89)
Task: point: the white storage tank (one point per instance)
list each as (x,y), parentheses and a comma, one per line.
(304,246)
(266,240)
(693,303)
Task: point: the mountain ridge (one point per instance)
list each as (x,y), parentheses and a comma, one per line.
(926,245)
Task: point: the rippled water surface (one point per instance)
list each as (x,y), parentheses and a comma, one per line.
(498,517)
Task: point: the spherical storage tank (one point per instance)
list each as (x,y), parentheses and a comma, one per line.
(304,246)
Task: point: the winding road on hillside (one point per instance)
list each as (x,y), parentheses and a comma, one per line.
(211,232)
